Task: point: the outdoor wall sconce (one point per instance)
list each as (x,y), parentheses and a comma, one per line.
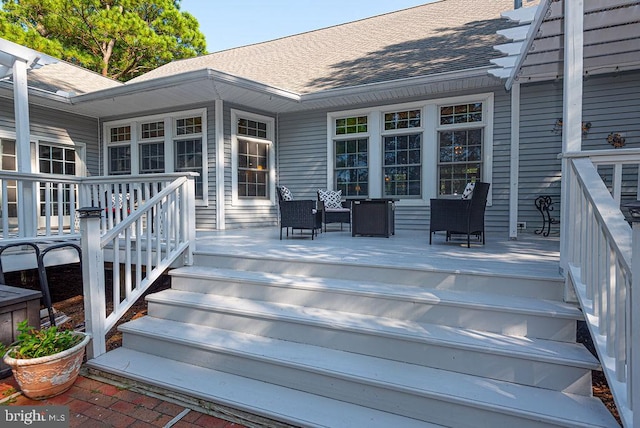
(616,140)
(557,128)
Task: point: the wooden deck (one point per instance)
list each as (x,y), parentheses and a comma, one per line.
(531,255)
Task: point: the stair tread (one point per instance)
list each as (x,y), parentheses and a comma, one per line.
(260,398)
(546,350)
(443,385)
(390,291)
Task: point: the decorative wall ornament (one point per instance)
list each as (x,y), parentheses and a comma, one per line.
(557,128)
(616,140)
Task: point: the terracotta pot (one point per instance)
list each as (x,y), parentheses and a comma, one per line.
(44,377)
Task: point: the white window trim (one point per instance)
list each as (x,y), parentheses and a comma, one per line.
(430,127)
(170,136)
(235,200)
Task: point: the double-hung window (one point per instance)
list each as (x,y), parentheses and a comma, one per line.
(351,155)
(402,160)
(253,158)
(188,149)
(460,146)
(119,150)
(152,147)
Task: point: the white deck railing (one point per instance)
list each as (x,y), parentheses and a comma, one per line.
(142,225)
(142,243)
(36,206)
(599,269)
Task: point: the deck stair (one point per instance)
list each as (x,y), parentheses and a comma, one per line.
(333,345)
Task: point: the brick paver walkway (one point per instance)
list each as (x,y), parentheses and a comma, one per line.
(95,404)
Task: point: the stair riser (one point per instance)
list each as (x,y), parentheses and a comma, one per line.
(444,313)
(475,361)
(460,281)
(413,404)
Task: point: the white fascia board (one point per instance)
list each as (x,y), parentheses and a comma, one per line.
(395,84)
(181,79)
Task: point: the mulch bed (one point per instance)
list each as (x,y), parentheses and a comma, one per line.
(65,283)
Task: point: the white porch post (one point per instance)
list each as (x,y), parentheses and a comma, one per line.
(93,279)
(515,161)
(571,111)
(26,193)
(219,137)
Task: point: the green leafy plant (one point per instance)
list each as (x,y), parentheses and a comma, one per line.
(32,343)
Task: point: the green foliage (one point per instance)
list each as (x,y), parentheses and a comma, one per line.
(120,39)
(34,343)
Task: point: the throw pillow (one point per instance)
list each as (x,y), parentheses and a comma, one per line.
(331,199)
(468,191)
(286,194)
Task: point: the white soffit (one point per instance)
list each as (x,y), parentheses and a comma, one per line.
(611,41)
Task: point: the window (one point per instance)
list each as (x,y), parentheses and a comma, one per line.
(402,156)
(119,160)
(152,158)
(152,130)
(351,167)
(119,134)
(253,168)
(253,159)
(403,165)
(460,147)
(252,128)
(411,152)
(56,160)
(159,144)
(351,125)
(9,163)
(402,120)
(189,158)
(190,125)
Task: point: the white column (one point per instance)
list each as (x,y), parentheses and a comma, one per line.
(26,193)
(219,138)
(514,167)
(571,108)
(93,280)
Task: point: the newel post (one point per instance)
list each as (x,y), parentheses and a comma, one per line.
(93,279)
(633,339)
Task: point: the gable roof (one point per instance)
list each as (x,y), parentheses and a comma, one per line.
(440,37)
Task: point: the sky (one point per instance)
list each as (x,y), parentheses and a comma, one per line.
(230,24)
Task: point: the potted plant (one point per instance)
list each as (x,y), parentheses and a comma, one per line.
(46,362)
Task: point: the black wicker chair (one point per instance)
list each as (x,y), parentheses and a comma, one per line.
(298,214)
(460,216)
(335,215)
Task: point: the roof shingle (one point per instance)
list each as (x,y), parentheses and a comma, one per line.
(439,37)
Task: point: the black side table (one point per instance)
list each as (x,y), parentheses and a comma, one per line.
(373,217)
